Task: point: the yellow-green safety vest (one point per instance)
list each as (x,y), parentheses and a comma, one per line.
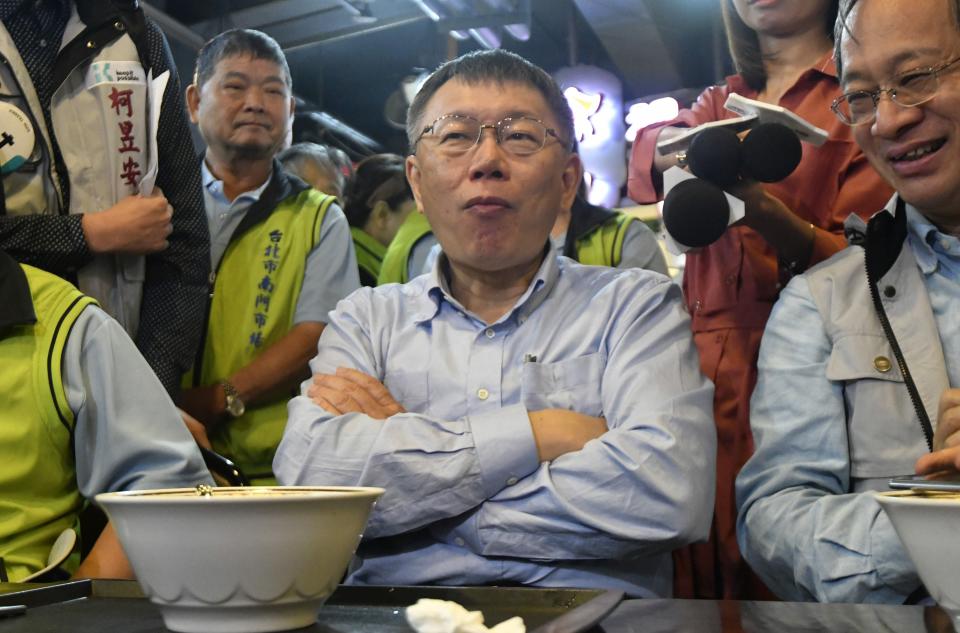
(394,268)
(604,245)
(369,253)
(254,300)
(39,497)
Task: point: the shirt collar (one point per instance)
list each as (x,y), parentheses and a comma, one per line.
(15,297)
(929,244)
(826,65)
(437,290)
(215,186)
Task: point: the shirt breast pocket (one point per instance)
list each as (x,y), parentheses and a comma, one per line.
(573,384)
(881,423)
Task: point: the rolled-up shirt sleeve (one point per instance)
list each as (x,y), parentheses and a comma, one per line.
(799,526)
(128,435)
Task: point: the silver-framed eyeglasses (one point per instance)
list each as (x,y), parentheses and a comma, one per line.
(456,134)
(909,89)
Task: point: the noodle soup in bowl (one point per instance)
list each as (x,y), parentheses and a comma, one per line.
(240,559)
(927,523)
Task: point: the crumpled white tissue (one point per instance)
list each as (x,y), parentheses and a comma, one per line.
(445,616)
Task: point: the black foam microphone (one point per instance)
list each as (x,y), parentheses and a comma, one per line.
(715,155)
(695,213)
(770,152)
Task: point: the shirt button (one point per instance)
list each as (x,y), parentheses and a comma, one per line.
(212,278)
(889,292)
(697,306)
(731,279)
(483,394)
(490,333)
(882,364)
(512,481)
(42,43)
(459,541)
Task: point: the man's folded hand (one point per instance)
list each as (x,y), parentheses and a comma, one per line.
(352,391)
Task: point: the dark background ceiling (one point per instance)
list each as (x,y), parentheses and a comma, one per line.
(348,56)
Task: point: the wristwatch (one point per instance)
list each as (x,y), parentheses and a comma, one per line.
(235,406)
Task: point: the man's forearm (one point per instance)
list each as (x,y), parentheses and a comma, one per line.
(52,242)
(281,367)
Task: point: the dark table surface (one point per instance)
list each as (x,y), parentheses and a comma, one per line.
(118,607)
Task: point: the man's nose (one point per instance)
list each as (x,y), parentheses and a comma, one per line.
(253,99)
(488,160)
(892,119)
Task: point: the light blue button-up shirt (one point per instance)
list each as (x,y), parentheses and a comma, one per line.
(331,270)
(468,502)
(838,547)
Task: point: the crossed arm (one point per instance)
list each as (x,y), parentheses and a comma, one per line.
(513,482)
(555,431)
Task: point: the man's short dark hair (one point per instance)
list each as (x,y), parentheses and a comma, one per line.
(498,67)
(239,42)
(846,7)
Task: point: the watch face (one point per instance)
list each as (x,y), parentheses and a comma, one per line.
(235,406)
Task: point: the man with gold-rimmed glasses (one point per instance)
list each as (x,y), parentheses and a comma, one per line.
(860,355)
(533,421)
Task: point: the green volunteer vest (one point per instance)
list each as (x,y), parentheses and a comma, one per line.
(604,246)
(394,268)
(254,300)
(38,487)
(369,253)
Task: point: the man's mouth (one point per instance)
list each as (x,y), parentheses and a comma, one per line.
(918,152)
(487,204)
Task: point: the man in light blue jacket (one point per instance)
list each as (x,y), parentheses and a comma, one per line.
(861,354)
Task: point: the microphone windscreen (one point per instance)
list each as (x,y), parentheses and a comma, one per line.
(770,152)
(695,213)
(714,155)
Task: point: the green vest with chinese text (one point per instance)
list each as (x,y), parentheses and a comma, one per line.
(254,301)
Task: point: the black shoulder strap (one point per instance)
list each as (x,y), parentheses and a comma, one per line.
(882,246)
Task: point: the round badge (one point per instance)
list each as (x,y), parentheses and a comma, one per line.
(16,138)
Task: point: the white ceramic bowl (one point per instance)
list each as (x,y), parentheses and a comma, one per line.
(927,524)
(240,559)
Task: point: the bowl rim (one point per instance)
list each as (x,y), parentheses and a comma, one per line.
(912,497)
(288,494)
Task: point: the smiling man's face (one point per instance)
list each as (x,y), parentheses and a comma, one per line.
(492,210)
(916,149)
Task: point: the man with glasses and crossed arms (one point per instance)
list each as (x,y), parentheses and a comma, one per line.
(533,421)
(859,356)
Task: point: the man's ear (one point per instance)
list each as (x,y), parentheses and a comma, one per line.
(193,101)
(380,212)
(570,179)
(413,177)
